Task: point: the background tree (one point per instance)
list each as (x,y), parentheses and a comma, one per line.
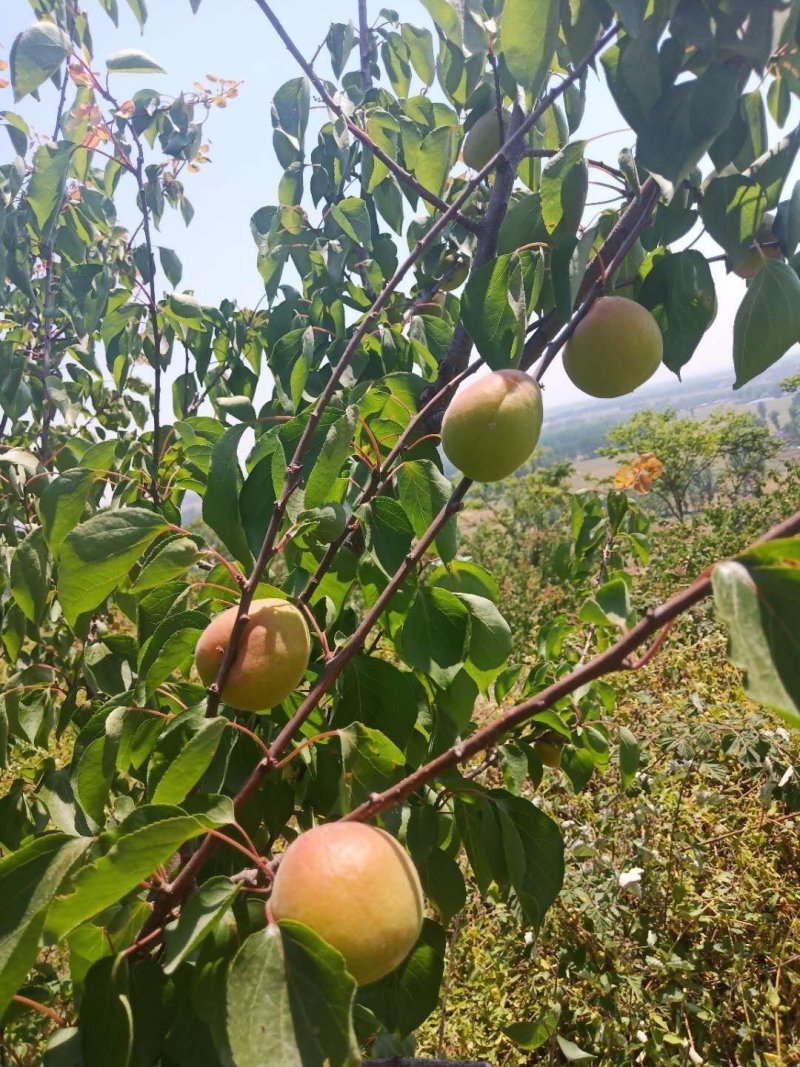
(142,843)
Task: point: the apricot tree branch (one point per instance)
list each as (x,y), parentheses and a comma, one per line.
(174,895)
(363,45)
(624,234)
(404,1061)
(402,175)
(294,469)
(613,659)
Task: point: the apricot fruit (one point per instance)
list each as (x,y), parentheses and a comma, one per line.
(614,349)
(492,426)
(760,249)
(456,269)
(358,889)
(548,753)
(483,140)
(271,658)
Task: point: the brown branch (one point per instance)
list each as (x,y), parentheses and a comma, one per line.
(404,1061)
(363,45)
(175,894)
(622,237)
(613,659)
(49,308)
(180,888)
(43,1009)
(381,480)
(294,469)
(399,172)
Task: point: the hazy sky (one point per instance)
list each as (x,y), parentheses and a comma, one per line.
(232,38)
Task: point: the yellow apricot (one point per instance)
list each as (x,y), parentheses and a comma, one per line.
(354,886)
(271,657)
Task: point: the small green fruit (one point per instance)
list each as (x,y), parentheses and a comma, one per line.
(755,255)
(271,657)
(457,270)
(548,753)
(614,349)
(491,427)
(483,140)
(355,886)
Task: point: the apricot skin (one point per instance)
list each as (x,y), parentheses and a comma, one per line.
(755,255)
(548,753)
(492,426)
(614,349)
(483,139)
(271,658)
(354,886)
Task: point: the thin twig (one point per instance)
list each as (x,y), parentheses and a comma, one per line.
(613,659)
(43,1009)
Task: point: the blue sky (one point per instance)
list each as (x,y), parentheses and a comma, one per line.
(232,39)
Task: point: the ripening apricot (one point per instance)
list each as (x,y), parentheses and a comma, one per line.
(483,140)
(492,426)
(614,349)
(355,886)
(763,247)
(456,270)
(271,658)
(548,753)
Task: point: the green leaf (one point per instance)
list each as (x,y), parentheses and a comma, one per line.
(221,500)
(404,999)
(29,879)
(182,755)
(106,1019)
(565,182)
(171,265)
(169,561)
(97,556)
(435,635)
(381,696)
(680,293)
(353,217)
(423,491)
(436,157)
(767,323)
(443,883)
(531,1036)
(629,756)
(528,38)
(388,533)
(36,54)
(494,311)
(29,575)
(171,646)
(371,762)
(571,1052)
(491,641)
(199,916)
(289,1001)
(758,597)
(133,61)
(50,166)
(139,9)
(149,836)
(333,455)
(537,871)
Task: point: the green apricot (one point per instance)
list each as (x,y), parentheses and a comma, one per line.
(492,426)
(483,140)
(614,349)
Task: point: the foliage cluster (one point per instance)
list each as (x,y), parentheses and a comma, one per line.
(141,837)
